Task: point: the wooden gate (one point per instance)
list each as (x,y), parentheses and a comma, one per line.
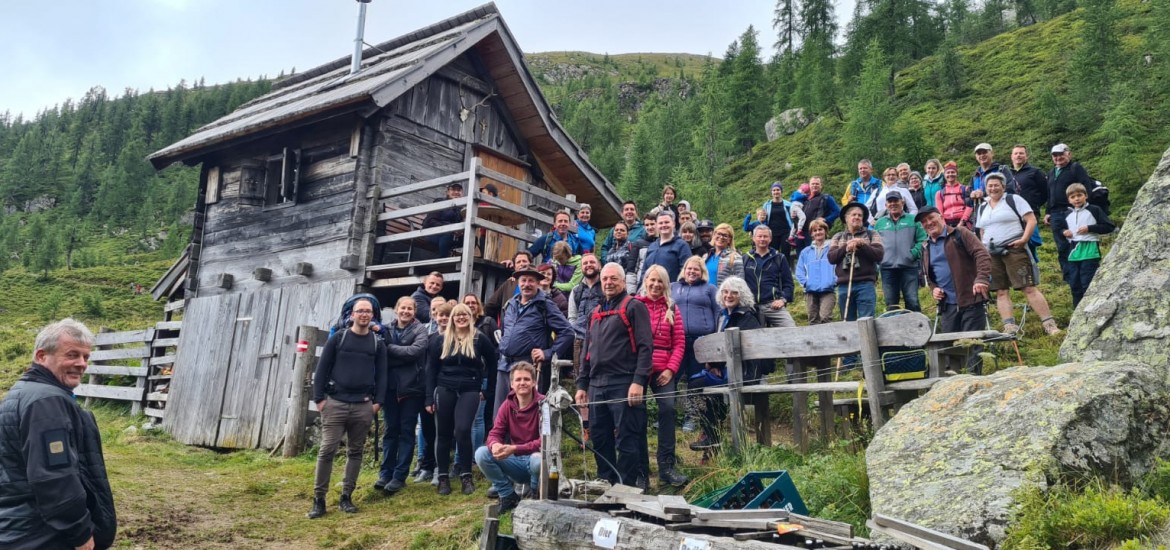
(234,364)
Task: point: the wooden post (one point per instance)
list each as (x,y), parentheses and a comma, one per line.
(491,527)
(298,405)
(797,373)
(735,386)
(871,361)
(824,398)
(467,262)
(763,411)
(140,382)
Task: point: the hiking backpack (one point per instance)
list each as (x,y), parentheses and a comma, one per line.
(621,311)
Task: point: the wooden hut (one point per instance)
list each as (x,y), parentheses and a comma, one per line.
(318,190)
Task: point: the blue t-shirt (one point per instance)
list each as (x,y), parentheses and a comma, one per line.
(942,269)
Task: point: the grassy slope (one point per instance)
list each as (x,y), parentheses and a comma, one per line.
(666,65)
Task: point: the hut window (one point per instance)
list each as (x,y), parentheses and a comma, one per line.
(281,177)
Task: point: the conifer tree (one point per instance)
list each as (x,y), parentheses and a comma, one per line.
(1121,131)
(871,112)
(746,102)
(1094,63)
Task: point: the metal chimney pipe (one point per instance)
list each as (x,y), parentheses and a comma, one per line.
(359,39)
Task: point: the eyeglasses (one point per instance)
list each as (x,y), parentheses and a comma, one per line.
(363,312)
(461,316)
(722,236)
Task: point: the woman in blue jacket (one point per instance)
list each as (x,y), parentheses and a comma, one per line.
(816,276)
(698,303)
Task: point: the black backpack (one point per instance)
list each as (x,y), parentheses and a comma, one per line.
(1099,196)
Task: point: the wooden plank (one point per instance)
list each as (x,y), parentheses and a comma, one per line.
(115,354)
(408,265)
(420,233)
(109,392)
(744,524)
(165,343)
(196,391)
(920,384)
(115,370)
(162,360)
(158,396)
(840,338)
(175,305)
(524,186)
(805,387)
(871,365)
(770,514)
(675,504)
(906,538)
(493,226)
(241,415)
(401,213)
(114,338)
(153,412)
(424,185)
(925,533)
(168,325)
(653,509)
(951,337)
(516,208)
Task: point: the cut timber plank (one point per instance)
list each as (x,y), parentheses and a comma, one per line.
(112,354)
(109,392)
(165,343)
(701,513)
(754,535)
(912,540)
(128,337)
(759,524)
(115,370)
(939,538)
(154,413)
(675,504)
(172,306)
(653,509)
(168,325)
(156,396)
(842,337)
(837,528)
(922,384)
(163,360)
(408,265)
(806,387)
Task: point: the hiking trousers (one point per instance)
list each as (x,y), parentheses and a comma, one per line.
(353,420)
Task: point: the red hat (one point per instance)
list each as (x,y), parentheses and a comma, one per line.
(951,166)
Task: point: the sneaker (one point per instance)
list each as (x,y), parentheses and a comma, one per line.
(435,479)
(493,493)
(705,442)
(444,485)
(318,509)
(1050,327)
(690,425)
(346,505)
(382,482)
(423,476)
(509,502)
(394,486)
(1011,329)
(468,485)
(670,476)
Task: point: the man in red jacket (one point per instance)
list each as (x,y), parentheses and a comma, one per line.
(511,453)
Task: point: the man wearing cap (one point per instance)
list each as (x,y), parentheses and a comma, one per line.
(586,234)
(532,328)
(986,164)
(634,228)
(958,272)
(1065,172)
(447,216)
(779,218)
(902,238)
(706,230)
(855,253)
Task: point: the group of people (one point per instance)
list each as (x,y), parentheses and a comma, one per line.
(465,376)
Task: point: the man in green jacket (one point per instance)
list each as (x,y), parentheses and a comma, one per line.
(902,238)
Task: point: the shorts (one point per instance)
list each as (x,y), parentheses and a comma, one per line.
(1012,270)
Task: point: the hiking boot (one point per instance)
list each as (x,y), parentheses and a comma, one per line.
(493,493)
(705,442)
(509,502)
(642,483)
(346,505)
(318,509)
(1011,329)
(444,485)
(423,476)
(468,485)
(394,486)
(1050,327)
(382,482)
(670,476)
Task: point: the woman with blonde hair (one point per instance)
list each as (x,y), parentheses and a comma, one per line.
(666,325)
(457,369)
(723,260)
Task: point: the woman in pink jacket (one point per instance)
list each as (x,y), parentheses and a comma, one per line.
(666,324)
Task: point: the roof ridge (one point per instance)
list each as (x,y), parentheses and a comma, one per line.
(468,16)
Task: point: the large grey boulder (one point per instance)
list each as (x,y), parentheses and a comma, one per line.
(786,123)
(1126,312)
(953,459)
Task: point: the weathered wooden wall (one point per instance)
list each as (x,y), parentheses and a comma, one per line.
(234,365)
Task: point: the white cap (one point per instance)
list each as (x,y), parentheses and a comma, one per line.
(1059,148)
(982,147)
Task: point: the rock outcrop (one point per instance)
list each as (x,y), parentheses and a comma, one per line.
(1126,312)
(786,123)
(952,459)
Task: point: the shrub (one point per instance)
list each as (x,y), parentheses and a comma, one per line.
(91,304)
(1098,516)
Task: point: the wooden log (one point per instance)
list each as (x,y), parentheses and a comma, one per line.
(544,525)
(734,367)
(871,365)
(118,393)
(115,370)
(838,528)
(939,538)
(294,428)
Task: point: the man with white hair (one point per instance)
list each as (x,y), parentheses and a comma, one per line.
(55,492)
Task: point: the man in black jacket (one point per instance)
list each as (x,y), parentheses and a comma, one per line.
(447,216)
(618,350)
(1064,173)
(54,493)
(348,388)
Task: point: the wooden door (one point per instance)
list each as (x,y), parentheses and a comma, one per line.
(503,247)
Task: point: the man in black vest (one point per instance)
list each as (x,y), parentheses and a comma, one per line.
(1064,173)
(55,492)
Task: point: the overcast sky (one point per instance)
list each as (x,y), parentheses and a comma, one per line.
(58,49)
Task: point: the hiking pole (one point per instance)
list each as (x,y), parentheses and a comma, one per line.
(845,312)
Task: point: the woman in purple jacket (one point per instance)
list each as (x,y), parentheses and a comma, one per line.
(697,300)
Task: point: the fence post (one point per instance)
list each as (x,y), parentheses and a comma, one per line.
(298,405)
(735,386)
(871,364)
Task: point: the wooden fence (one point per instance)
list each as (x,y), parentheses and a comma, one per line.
(134,366)
(813,346)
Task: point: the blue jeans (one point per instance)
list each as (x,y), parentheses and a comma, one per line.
(901,281)
(401,417)
(863,303)
(514,469)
